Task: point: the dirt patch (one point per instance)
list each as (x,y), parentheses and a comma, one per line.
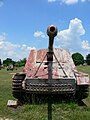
(87,102)
(12,73)
(5,118)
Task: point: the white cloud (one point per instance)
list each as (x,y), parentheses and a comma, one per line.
(39,34)
(76,26)
(14,51)
(83,0)
(52,0)
(68,2)
(85,45)
(2,37)
(71,37)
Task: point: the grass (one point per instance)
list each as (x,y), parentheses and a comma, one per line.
(60,111)
(85,69)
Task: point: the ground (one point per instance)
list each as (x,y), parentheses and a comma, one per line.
(60,111)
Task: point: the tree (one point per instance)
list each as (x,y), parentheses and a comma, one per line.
(88,59)
(8,62)
(0,64)
(78,59)
(21,62)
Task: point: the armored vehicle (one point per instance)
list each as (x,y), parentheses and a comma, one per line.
(50,72)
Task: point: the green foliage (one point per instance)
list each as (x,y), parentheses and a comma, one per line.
(88,59)
(78,59)
(8,62)
(0,62)
(85,69)
(20,63)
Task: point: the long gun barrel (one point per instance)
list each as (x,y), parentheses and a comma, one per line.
(51,32)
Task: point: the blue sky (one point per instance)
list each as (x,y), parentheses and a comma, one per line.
(23,25)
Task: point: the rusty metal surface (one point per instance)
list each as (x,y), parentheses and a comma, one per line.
(37,57)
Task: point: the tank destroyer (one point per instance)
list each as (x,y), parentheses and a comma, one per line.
(50,72)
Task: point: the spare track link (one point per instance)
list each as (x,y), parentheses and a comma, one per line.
(46,88)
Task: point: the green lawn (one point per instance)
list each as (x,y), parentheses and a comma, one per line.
(60,111)
(85,69)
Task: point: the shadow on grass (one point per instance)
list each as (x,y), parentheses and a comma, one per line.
(54,99)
